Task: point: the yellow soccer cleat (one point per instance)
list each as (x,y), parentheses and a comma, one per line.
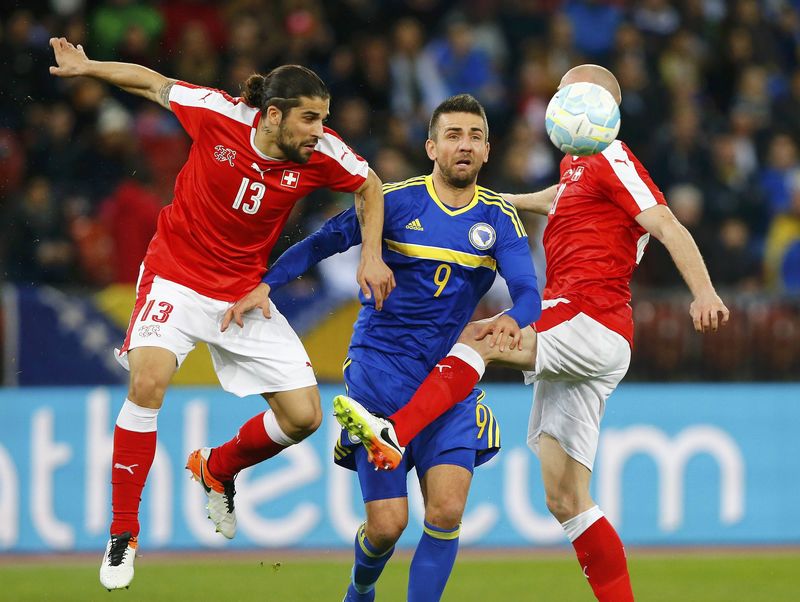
(376,433)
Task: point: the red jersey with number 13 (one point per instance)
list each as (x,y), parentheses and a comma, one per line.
(592,241)
(232,201)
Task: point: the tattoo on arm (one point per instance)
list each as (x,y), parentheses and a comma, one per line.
(163,93)
(360,202)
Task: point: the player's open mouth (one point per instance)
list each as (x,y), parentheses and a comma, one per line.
(465,162)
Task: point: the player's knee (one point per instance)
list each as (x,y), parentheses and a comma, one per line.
(562,505)
(147,390)
(445,514)
(304,421)
(384,532)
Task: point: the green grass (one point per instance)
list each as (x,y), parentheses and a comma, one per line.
(727,577)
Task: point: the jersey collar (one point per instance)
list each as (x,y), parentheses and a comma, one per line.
(445,208)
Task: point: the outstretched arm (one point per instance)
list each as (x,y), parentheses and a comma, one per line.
(335,236)
(373,274)
(707,307)
(516,266)
(72,61)
(535,202)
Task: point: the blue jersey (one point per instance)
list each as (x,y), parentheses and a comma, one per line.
(444,260)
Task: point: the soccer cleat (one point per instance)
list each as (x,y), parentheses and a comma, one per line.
(376,433)
(116,570)
(220,494)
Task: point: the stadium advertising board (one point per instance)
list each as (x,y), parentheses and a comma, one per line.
(677,465)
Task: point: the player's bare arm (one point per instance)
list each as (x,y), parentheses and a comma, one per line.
(71,61)
(707,309)
(374,276)
(258,297)
(535,202)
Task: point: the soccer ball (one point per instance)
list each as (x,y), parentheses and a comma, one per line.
(582,119)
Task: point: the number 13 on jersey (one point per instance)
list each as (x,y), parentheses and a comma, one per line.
(254,202)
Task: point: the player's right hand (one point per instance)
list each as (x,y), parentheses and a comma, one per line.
(708,312)
(71,60)
(503,329)
(258,297)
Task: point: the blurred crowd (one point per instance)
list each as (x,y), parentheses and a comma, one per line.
(711,105)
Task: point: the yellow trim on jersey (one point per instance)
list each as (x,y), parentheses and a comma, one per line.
(440,535)
(442,254)
(490,194)
(347,362)
(445,208)
(392,186)
(481,395)
(506,208)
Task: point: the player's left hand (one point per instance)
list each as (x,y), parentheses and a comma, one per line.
(71,59)
(708,312)
(503,329)
(375,277)
(258,297)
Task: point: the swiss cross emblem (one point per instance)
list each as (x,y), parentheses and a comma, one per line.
(290,178)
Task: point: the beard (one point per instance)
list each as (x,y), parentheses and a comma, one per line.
(290,151)
(460,179)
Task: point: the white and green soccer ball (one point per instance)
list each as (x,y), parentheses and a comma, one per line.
(582,119)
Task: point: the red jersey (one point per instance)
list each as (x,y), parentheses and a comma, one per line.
(592,241)
(231,200)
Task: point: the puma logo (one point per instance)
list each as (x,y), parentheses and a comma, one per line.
(259,170)
(203,99)
(625,161)
(128,468)
(441,367)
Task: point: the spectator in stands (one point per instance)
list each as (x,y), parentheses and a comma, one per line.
(782,254)
(38,248)
(112,22)
(417,84)
(782,165)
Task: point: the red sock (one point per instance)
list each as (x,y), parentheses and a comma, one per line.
(448,383)
(602,558)
(249,447)
(131,460)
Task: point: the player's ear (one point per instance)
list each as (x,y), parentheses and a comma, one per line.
(486,156)
(430,148)
(274,115)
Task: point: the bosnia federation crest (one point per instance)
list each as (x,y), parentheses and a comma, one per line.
(482,236)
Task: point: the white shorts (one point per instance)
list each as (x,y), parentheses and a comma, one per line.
(265,356)
(579,363)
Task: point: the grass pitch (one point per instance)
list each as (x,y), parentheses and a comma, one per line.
(275,577)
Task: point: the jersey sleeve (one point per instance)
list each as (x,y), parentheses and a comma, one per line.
(629,184)
(346,171)
(336,235)
(515,265)
(195,105)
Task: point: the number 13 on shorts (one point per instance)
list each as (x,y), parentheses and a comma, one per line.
(158,311)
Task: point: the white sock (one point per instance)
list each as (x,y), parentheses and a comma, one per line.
(136,418)
(274,430)
(468,355)
(577,525)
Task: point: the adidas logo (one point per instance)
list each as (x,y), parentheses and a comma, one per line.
(414,225)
